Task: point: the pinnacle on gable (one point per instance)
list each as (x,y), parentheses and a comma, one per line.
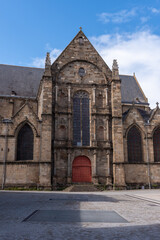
(115,65)
(115,70)
(47,65)
(157,103)
(48,60)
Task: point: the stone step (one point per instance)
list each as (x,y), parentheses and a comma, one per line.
(81,188)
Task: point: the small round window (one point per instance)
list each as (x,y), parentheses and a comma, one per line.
(81,72)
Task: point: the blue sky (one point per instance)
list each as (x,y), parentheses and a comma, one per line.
(126,30)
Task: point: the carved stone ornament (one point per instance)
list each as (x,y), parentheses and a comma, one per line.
(48,60)
(115,65)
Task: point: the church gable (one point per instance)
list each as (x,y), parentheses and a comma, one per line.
(133,115)
(25,113)
(155,116)
(80,48)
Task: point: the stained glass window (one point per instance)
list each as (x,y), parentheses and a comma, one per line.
(81,119)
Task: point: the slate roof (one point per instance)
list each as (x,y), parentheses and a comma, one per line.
(131,91)
(24,81)
(145,115)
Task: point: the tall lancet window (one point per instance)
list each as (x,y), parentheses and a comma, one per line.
(156,145)
(81,119)
(134,143)
(25,143)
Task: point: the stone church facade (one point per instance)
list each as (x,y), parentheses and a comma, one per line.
(76,121)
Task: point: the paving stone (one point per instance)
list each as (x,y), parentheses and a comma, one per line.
(142,218)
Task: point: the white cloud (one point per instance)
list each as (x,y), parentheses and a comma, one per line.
(138,52)
(155,10)
(40,62)
(118,17)
(144,19)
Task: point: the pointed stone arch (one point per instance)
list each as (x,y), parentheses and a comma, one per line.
(85,61)
(21,124)
(137,126)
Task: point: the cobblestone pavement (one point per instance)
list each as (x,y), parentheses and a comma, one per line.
(140,208)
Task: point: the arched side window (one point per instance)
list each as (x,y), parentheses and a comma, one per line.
(81,119)
(100,133)
(156,145)
(134,144)
(62,132)
(25,143)
(99,101)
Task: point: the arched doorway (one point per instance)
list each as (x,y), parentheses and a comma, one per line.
(81,169)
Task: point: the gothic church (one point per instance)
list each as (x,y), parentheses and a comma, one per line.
(76,121)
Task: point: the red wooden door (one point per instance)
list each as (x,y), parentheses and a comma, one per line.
(81,169)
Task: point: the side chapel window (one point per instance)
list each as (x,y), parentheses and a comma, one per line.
(156,145)
(81,119)
(134,144)
(25,143)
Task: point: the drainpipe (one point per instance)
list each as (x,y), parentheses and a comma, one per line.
(6,121)
(148,162)
(40,153)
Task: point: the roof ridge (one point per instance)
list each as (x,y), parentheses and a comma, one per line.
(19,66)
(127,75)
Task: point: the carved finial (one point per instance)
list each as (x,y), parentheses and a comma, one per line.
(48,60)
(80,28)
(47,65)
(157,103)
(115,65)
(115,71)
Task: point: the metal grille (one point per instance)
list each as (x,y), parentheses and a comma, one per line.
(81,120)
(156,144)
(134,145)
(25,143)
